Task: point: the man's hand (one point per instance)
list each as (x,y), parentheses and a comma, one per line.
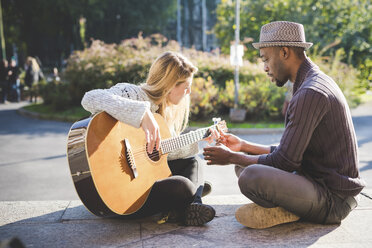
(231,141)
(152,131)
(218,155)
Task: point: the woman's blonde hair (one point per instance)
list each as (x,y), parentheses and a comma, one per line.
(168,70)
(33,63)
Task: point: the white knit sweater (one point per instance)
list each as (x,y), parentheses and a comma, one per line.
(128,103)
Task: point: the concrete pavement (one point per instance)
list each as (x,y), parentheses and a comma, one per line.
(39,204)
(33,164)
(69,224)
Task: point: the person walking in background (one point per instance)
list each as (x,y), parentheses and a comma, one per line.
(32,76)
(313,173)
(13,77)
(55,75)
(4,83)
(165,92)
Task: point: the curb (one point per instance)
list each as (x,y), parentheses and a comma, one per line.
(247,131)
(27,113)
(35,115)
(256,131)
(236,131)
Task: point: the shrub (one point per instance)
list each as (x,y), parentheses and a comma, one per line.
(259,97)
(55,94)
(204,98)
(103,65)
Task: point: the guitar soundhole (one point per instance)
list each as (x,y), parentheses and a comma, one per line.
(154,156)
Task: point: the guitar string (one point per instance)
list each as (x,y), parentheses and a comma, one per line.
(153,155)
(184,140)
(144,153)
(175,144)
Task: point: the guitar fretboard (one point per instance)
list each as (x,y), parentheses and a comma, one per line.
(189,138)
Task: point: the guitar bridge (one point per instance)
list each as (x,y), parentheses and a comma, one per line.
(130,158)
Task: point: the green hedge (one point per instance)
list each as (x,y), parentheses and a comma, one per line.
(103,65)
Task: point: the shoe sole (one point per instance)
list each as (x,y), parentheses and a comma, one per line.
(257,217)
(198,214)
(207,189)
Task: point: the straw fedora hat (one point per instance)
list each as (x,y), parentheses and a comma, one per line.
(282,33)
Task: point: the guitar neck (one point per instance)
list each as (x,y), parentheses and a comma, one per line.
(171,144)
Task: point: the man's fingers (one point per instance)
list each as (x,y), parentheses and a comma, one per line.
(208,149)
(206,153)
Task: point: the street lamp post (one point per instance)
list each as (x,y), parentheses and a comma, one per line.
(179,27)
(2,33)
(236,77)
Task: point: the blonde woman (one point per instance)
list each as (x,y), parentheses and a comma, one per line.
(32,76)
(166,92)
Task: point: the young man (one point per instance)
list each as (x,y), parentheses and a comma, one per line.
(313,173)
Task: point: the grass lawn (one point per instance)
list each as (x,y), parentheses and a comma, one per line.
(46,112)
(77,113)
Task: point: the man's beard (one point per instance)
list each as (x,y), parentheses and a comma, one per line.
(280,83)
(283,74)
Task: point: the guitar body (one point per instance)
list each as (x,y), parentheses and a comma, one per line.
(101,170)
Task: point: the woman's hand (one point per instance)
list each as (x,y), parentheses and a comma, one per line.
(152,131)
(214,136)
(231,141)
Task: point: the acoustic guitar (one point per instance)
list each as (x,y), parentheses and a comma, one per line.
(110,167)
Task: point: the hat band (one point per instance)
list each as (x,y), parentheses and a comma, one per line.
(281,41)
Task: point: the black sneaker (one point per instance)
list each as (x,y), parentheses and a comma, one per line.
(198,214)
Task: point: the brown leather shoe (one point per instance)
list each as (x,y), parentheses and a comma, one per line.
(257,217)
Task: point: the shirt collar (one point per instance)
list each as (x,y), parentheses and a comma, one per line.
(302,73)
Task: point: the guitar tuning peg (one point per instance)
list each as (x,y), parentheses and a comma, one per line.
(216,120)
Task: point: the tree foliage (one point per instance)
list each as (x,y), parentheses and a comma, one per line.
(329,24)
(51,29)
(102,65)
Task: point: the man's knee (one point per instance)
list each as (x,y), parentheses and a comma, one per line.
(251,178)
(238,170)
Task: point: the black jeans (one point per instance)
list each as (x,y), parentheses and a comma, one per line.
(176,192)
(271,187)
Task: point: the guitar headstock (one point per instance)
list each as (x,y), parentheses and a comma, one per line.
(220,125)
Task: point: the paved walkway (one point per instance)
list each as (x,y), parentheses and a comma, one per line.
(69,224)
(33,166)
